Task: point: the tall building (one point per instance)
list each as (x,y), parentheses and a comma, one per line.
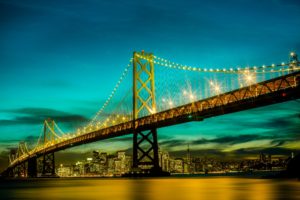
(110,165)
(121,155)
(64,171)
(78,169)
(103,157)
(118,166)
(262,157)
(178,165)
(121,163)
(164,160)
(187,166)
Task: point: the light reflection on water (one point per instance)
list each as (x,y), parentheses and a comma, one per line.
(151,188)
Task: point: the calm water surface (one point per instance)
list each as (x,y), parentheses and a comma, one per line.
(151,188)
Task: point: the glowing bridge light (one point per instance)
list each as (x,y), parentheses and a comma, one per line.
(192,97)
(292,54)
(170,103)
(153,111)
(163,100)
(217,89)
(184,92)
(249,77)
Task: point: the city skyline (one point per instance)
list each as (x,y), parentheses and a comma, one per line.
(99,163)
(46,73)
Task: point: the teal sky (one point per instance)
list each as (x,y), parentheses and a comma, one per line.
(61,59)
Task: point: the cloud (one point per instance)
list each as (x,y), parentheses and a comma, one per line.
(35,111)
(3,160)
(275,140)
(236,154)
(173,143)
(127,138)
(7,145)
(230,140)
(38,115)
(257,151)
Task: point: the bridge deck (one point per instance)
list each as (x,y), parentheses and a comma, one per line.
(272,91)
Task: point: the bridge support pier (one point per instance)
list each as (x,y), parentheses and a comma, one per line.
(48,165)
(145,152)
(10,173)
(20,170)
(32,167)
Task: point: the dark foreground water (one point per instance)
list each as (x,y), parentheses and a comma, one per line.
(151,188)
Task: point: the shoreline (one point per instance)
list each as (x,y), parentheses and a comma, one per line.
(252,174)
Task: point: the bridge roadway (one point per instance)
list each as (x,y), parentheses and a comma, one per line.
(269,92)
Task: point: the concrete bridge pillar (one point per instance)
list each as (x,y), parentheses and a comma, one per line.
(48,165)
(20,170)
(32,167)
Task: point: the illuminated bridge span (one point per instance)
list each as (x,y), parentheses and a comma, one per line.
(150,105)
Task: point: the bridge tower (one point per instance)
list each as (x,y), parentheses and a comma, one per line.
(21,169)
(145,146)
(48,162)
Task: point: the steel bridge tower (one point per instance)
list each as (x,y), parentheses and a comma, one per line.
(48,158)
(145,146)
(21,169)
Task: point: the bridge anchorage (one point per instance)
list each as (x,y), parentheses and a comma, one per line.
(277,83)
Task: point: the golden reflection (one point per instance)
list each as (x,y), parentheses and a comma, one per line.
(262,189)
(173,188)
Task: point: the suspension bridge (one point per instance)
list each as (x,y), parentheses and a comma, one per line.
(150,103)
